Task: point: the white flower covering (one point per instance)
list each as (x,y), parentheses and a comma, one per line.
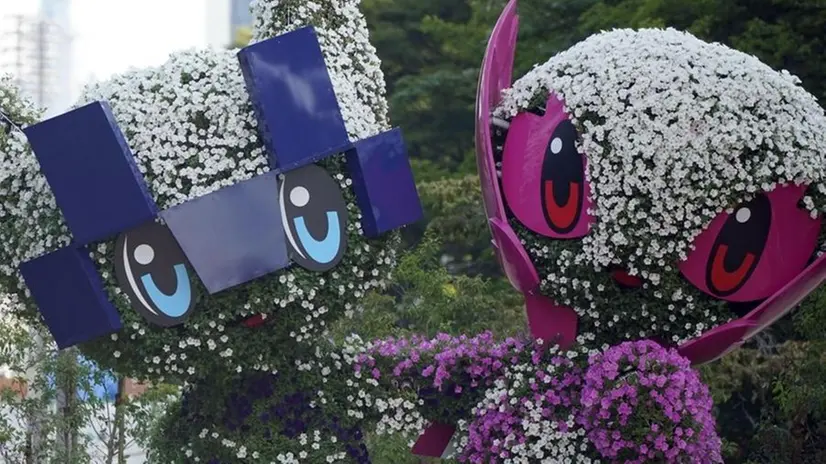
(191,127)
(189,123)
(675,131)
(30,224)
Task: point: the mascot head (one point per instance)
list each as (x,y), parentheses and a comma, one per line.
(176,209)
(646,184)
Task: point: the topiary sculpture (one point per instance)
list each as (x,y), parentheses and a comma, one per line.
(658,200)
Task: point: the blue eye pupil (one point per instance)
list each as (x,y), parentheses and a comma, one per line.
(174,305)
(322,251)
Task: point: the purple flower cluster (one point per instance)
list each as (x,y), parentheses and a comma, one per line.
(535,405)
(445,359)
(642,402)
(636,402)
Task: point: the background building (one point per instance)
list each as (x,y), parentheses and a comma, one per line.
(240,20)
(228,22)
(56,14)
(36,48)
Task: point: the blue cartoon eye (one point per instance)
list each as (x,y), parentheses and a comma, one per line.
(315,218)
(152,270)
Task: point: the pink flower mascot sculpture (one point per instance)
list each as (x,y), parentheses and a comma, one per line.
(657,200)
(656,186)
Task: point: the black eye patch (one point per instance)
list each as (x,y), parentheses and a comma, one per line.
(152,270)
(315,218)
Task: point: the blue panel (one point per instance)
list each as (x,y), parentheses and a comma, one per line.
(69,293)
(233,235)
(290,89)
(92,173)
(383,182)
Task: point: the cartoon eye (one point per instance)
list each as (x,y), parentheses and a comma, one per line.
(543,173)
(739,246)
(563,180)
(152,270)
(751,253)
(315,218)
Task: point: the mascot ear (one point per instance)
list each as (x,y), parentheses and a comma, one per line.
(495,75)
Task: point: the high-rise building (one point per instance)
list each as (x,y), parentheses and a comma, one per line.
(218,25)
(228,22)
(35,48)
(56,13)
(240,17)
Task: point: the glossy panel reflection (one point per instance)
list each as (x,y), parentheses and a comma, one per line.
(292,94)
(233,235)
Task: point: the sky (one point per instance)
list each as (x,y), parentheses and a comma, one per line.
(110,36)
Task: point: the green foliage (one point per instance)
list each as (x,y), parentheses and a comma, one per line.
(426,299)
(456,216)
(89,422)
(770,407)
(431,52)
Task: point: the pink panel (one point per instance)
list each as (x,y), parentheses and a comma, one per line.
(495,75)
(497,69)
(716,342)
(515,261)
(528,141)
(779,304)
(551,322)
(791,240)
(434,440)
(721,340)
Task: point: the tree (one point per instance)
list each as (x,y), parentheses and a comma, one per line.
(242,37)
(431,53)
(785,34)
(94,430)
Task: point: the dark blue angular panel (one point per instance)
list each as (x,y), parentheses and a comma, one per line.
(383,182)
(92,173)
(69,293)
(298,114)
(233,235)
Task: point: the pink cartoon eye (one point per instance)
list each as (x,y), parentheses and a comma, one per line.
(543,174)
(738,247)
(753,252)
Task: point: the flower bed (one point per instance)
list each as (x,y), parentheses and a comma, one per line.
(523,402)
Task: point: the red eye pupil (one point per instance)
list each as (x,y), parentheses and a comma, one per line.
(723,281)
(561,217)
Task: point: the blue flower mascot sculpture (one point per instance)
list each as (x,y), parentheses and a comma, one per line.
(204,222)
(658,200)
